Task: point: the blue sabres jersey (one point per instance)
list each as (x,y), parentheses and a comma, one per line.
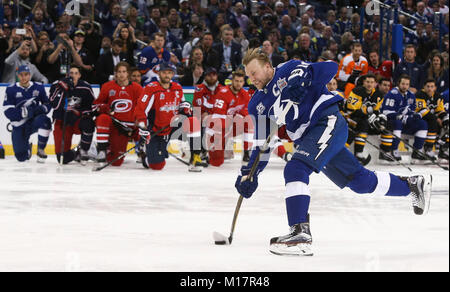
(271,103)
(18,97)
(396,103)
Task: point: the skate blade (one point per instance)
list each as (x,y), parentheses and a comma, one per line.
(428,184)
(296,250)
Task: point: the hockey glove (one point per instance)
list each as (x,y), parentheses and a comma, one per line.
(144,133)
(378,122)
(40,110)
(245,185)
(355,74)
(28,112)
(298,84)
(185,109)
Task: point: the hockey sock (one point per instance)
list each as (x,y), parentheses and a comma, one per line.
(297,202)
(396,141)
(398,187)
(419,139)
(43,138)
(386,142)
(360,142)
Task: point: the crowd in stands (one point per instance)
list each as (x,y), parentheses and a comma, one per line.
(197,35)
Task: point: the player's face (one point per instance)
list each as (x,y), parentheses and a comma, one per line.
(410,54)
(258,73)
(357,51)
(332,85)
(136,77)
(166,76)
(384,87)
(75,74)
(237,83)
(369,84)
(24,78)
(122,74)
(403,85)
(159,42)
(430,88)
(374,59)
(211,79)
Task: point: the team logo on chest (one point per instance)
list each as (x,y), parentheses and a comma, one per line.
(112,92)
(260,108)
(35,93)
(122,105)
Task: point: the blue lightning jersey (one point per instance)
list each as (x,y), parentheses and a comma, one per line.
(18,97)
(269,105)
(395,103)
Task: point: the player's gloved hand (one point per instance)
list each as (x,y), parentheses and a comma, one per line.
(246,185)
(40,110)
(144,133)
(378,122)
(28,111)
(355,74)
(185,109)
(298,83)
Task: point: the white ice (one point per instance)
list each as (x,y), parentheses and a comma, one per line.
(68,218)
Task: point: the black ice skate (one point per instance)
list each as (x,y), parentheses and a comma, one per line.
(297,243)
(363,160)
(417,157)
(246,157)
(420,186)
(84,157)
(385,158)
(41,156)
(101,158)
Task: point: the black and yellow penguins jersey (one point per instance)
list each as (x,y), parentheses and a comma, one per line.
(426,104)
(363,102)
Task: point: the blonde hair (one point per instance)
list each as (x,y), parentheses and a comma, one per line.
(257,54)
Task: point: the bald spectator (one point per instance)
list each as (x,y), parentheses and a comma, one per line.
(325,39)
(286,27)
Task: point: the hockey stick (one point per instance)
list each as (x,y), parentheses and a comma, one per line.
(61,157)
(420,152)
(179,159)
(220,239)
(384,152)
(128,151)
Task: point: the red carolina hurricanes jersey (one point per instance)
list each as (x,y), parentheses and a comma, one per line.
(385,69)
(164,102)
(228,103)
(121,100)
(204,98)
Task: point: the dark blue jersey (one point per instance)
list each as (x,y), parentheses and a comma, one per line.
(18,97)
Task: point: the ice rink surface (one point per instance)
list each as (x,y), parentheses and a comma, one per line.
(68,218)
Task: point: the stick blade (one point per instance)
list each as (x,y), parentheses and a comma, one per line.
(220,239)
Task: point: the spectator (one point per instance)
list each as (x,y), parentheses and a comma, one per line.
(111,19)
(196,35)
(21,57)
(185,11)
(343,22)
(274,58)
(105,45)
(439,73)
(211,57)
(323,41)
(44,47)
(39,23)
(93,40)
(175,23)
(88,61)
(286,27)
(107,62)
(125,32)
(193,75)
(293,14)
(62,56)
(172,43)
(304,51)
(239,38)
(229,53)
(410,67)
(331,21)
(242,19)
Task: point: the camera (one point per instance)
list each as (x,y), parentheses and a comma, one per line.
(86,26)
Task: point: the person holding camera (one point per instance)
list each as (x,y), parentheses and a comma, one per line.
(125,32)
(93,40)
(20,57)
(63,55)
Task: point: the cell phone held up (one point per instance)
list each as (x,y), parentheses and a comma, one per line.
(62,41)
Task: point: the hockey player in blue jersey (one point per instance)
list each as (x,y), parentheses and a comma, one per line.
(151,56)
(26,105)
(295,94)
(399,106)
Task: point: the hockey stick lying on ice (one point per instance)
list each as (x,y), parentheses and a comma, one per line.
(220,239)
(179,159)
(131,149)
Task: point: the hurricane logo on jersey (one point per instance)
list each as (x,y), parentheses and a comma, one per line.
(122,105)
